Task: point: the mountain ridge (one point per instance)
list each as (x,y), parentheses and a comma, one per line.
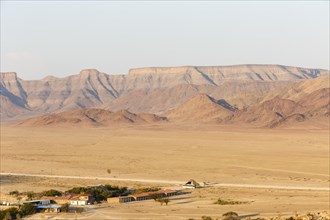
(154,89)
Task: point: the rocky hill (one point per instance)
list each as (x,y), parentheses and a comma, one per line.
(91,118)
(154,90)
(201,108)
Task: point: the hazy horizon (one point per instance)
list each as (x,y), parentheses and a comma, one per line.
(62,38)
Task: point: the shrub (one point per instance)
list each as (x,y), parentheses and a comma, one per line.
(166,200)
(9,213)
(14,213)
(30,195)
(101,194)
(27,209)
(65,207)
(18,216)
(147,189)
(207,218)
(230,216)
(227,202)
(51,192)
(155,196)
(14,193)
(8,216)
(160,200)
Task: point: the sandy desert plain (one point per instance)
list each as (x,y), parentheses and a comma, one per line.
(167,156)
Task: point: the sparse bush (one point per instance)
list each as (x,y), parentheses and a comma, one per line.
(230,216)
(14,213)
(147,189)
(30,195)
(51,192)
(109,171)
(65,207)
(207,218)
(160,200)
(27,209)
(227,202)
(101,194)
(18,216)
(166,200)
(14,193)
(155,196)
(8,214)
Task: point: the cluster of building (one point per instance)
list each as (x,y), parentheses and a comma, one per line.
(144,196)
(72,199)
(52,203)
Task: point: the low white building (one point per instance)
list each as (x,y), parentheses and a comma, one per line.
(82,199)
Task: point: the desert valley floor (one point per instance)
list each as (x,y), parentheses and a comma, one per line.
(168,155)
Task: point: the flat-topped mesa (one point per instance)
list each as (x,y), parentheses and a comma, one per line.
(161,70)
(8,76)
(258,72)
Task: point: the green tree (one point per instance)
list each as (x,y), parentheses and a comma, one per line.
(147,189)
(160,200)
(155,196)
(9,213)
(27,209)
(166,200)
(51,192)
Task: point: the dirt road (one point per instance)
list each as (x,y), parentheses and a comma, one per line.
(171,182)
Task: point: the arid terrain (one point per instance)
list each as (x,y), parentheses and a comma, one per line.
(172,154)
(255,134)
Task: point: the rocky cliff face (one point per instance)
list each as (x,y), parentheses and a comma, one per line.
(160,88)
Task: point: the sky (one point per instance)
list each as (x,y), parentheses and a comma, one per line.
(40,38)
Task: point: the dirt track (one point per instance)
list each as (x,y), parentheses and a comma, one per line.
(171,182)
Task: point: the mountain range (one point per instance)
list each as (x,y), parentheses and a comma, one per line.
(265,95)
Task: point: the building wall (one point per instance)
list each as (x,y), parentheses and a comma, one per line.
(82,202)
(113,200)
(61,201)
(45,202)
(78,202)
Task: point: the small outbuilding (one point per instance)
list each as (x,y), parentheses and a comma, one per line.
(82,199)
(120,199)
(191,184)
(143,196)
(38,202)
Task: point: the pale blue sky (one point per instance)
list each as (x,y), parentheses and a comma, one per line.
(40,38)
